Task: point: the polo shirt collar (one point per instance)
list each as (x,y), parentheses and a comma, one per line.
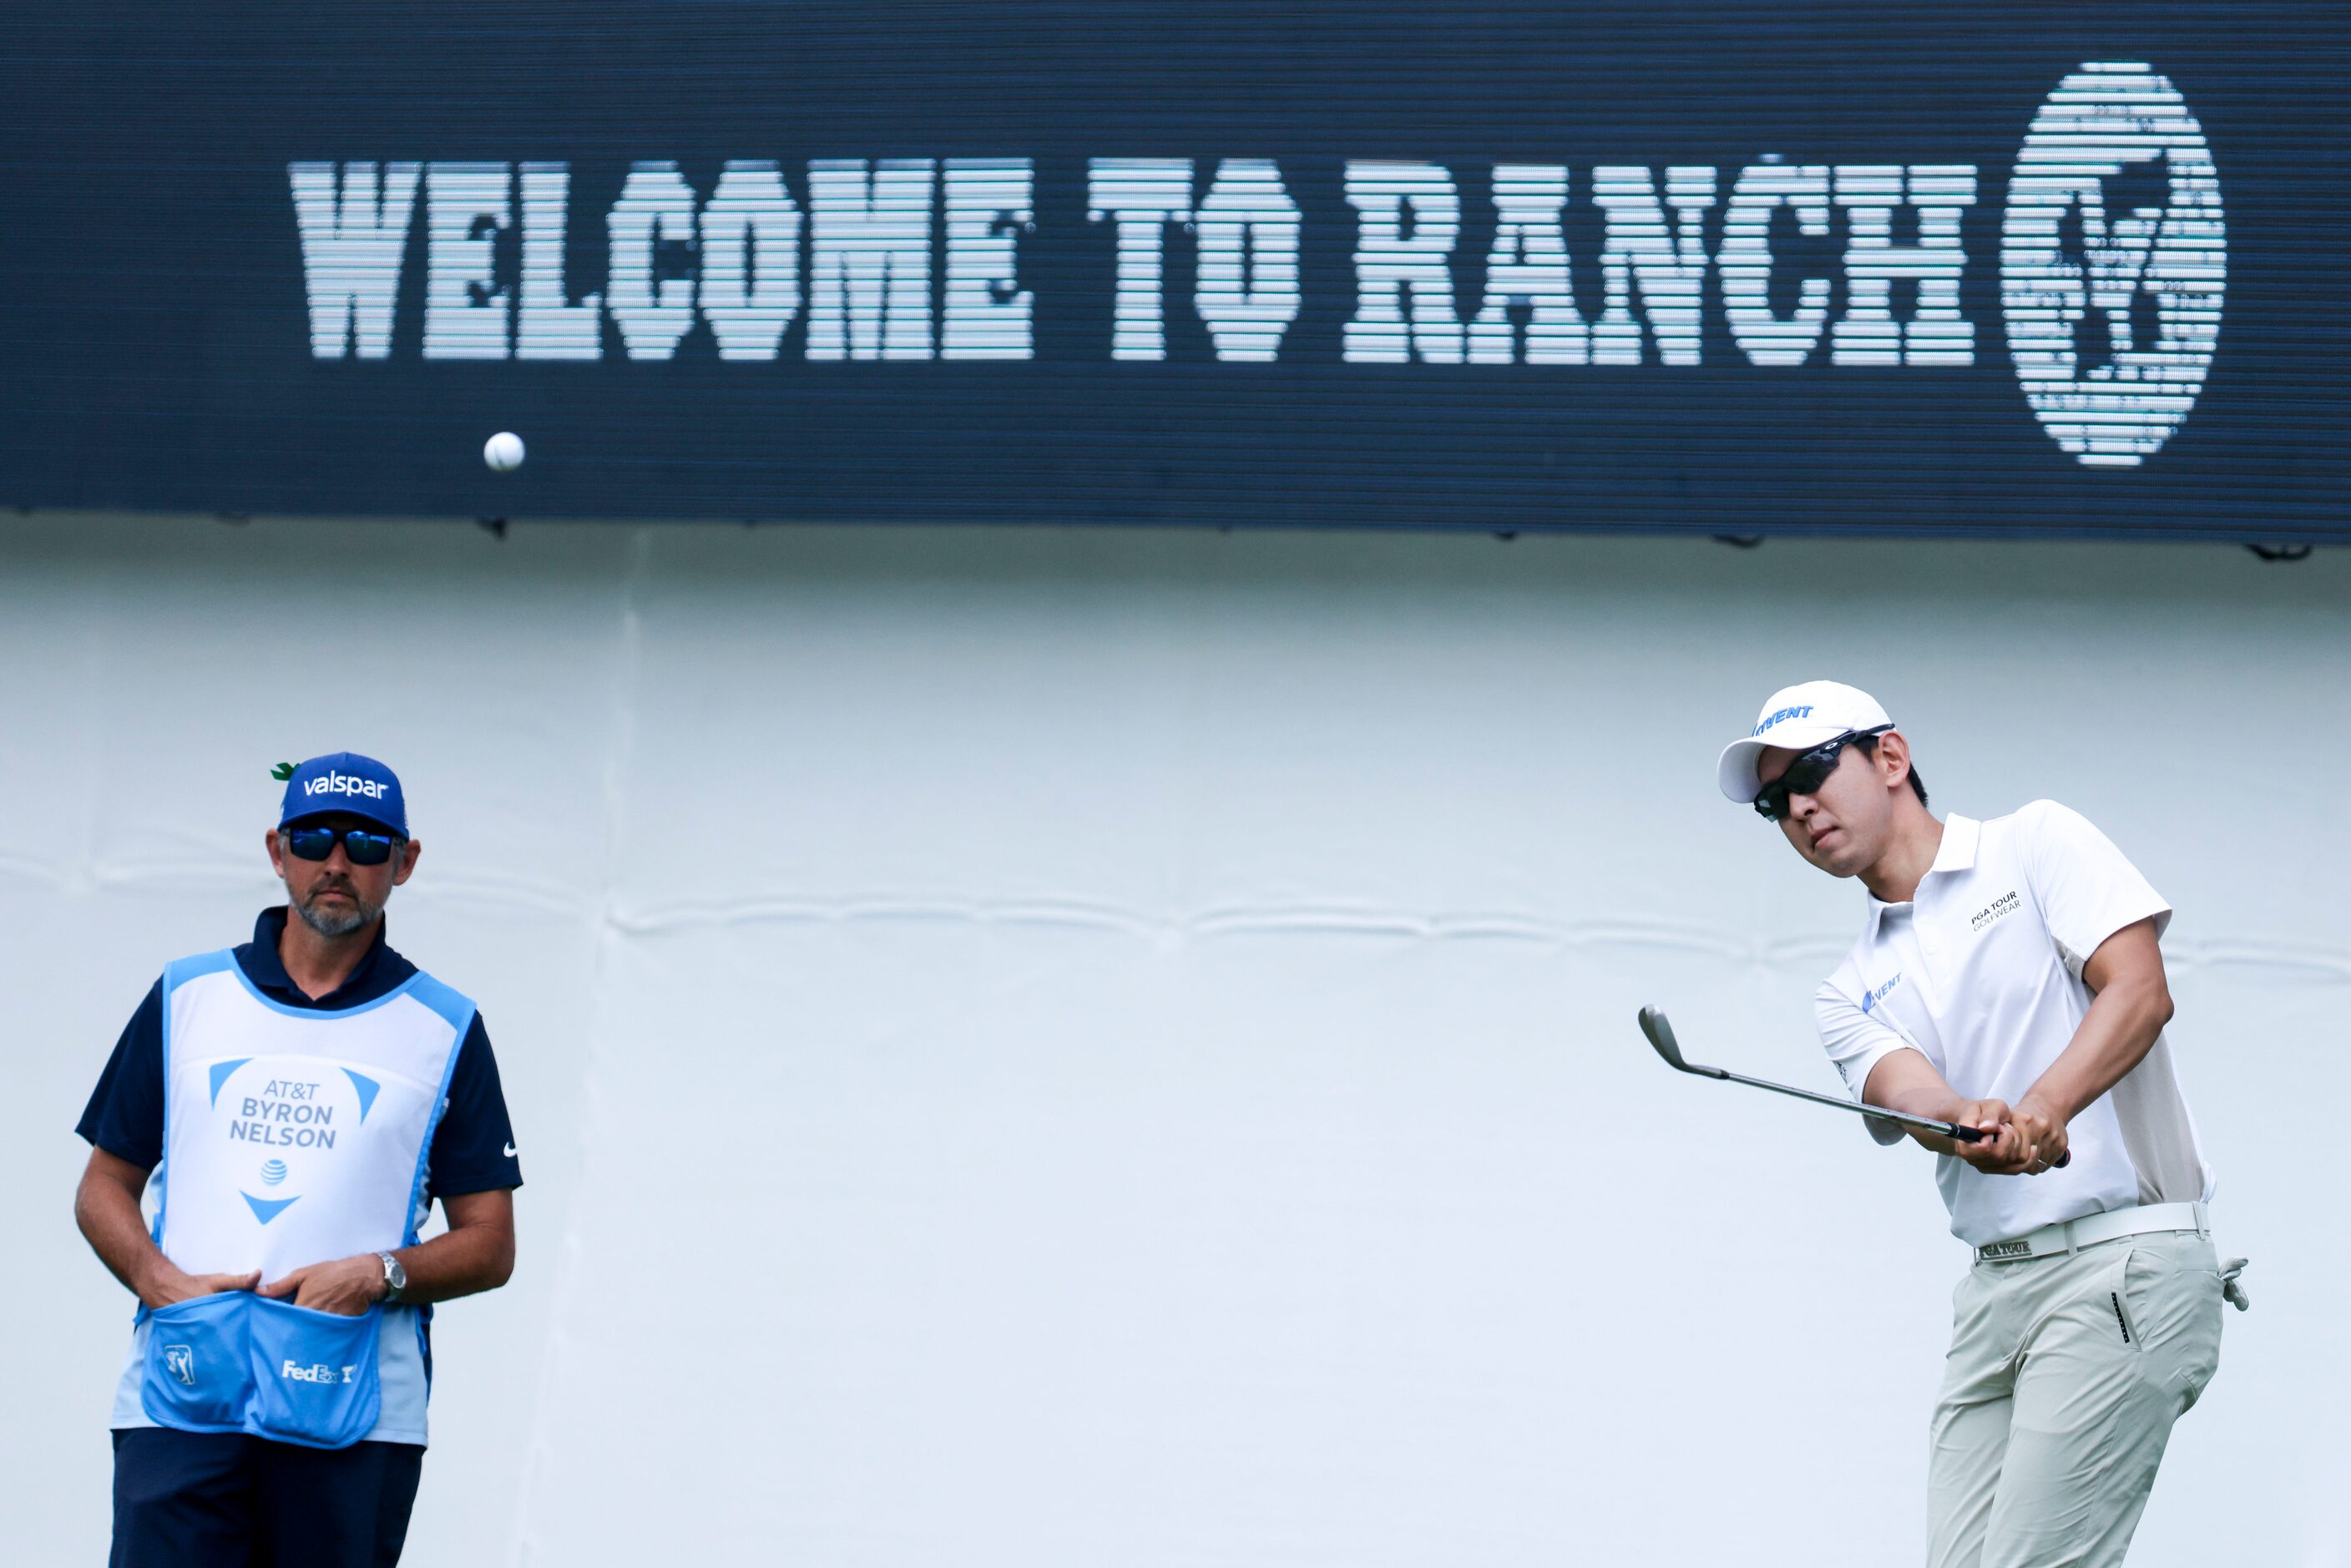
(1957,853)
(379,970)
(1961,837)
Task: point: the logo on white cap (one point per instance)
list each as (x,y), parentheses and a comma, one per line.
(1798,717)
(1781,717)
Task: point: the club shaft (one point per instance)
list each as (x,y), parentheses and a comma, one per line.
(1900,1118)
(1660,1034)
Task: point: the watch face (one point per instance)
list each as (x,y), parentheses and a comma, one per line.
(393,1274)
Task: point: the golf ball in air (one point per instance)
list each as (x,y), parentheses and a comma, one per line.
(503,450)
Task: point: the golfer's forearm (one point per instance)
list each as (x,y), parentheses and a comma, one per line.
(2115,1036)
(109,1216)
(457,1263)
(1906,1081)
(1943,1106)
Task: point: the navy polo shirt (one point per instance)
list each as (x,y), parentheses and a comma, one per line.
(473,1148)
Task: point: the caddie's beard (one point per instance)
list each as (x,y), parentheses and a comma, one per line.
(329,923)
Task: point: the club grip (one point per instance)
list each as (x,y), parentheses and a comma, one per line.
(1976,1135)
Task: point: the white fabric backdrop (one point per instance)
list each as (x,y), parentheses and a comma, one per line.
(1038,1050)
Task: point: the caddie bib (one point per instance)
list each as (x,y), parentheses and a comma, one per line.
(292,1137)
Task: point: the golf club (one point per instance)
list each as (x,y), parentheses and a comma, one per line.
(1661,1036)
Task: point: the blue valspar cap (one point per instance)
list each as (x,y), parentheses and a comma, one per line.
(343,781)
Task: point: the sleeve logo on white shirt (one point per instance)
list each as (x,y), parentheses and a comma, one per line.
(1871,999)
(1998,909)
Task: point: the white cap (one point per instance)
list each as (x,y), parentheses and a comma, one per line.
(1798,717)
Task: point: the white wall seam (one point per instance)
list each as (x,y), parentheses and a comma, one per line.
(570,1294)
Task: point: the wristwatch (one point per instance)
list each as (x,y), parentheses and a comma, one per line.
(395,1278)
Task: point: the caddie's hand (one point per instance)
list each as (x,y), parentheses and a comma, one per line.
(171,1284)
(2045,1129)
(347,1287)
(2004,1150)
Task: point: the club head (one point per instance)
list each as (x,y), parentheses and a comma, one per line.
(1661,1036)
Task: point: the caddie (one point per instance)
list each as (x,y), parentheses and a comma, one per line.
(2008,977)
(299,1102)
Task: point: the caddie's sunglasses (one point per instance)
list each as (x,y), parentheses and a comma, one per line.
(1808,773)
(316,843)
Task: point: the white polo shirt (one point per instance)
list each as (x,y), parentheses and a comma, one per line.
(1982,973)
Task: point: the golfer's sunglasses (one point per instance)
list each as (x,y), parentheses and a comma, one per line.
(1808,773)
(316,843)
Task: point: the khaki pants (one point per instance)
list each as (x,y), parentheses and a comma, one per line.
(2065,1376)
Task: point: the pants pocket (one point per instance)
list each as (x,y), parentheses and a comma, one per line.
(2169,1290)
(314,1375)
(197,1372)
(2118,1299)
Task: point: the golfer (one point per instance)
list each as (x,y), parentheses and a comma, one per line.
(2008,979)
(299,1101)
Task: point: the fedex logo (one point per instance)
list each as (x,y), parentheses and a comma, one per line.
(316,1373)
(1786,712)
(345,784)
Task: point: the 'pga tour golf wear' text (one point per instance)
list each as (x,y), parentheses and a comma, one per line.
(1982,973)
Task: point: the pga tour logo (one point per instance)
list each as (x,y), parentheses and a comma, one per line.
(180,1361)
(2113,262)
(1998,909)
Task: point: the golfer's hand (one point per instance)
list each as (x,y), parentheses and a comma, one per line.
(2043,1128)
(169,1283)
(347,1287)
(2004,1150)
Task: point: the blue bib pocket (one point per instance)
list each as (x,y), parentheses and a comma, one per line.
(236,1362)
(314,1375)
(198,1367)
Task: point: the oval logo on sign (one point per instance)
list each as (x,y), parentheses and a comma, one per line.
(2113,260)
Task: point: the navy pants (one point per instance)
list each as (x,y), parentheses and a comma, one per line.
(205,1500)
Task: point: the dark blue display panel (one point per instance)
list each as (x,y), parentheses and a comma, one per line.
(1991,268)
